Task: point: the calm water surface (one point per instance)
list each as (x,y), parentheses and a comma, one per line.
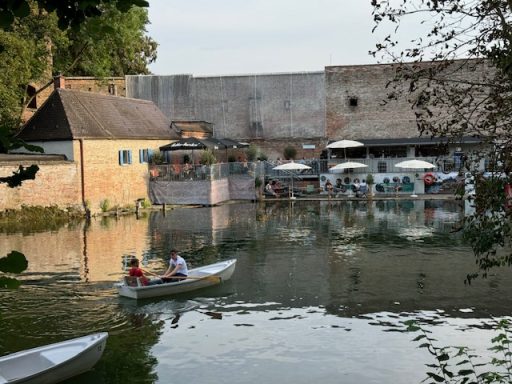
(319,288)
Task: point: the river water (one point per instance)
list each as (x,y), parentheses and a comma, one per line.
(319,292)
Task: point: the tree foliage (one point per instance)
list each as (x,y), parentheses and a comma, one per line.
(70,13)
(457,75)
(113,44)
(29,30)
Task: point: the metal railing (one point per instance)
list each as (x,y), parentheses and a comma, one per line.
(184,172)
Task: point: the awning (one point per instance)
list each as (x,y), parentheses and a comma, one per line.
(418,141)
(192,143)
(230,143)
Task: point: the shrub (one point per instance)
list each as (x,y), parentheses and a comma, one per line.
(105,205)
(252,152)
(207,157)
(369,179)
(290,152)
(157,158)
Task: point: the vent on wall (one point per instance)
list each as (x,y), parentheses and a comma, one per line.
(352,101)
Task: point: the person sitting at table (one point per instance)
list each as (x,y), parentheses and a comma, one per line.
(269,188)
(363,189)
(329,188)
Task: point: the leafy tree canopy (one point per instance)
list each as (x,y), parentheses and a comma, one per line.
(457,75)
(70,13)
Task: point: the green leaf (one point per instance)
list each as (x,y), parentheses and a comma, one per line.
(22,10)
(436,377)
(419,337)
(466,372)
(9,283)
(14,262)
(443,357)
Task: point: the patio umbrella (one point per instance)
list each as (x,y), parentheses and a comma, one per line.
(414,164)
(191,143)
(346,165)
(344,144)
(188,143)
(291,166)
(232,144)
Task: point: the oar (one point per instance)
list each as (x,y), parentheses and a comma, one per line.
(210,277)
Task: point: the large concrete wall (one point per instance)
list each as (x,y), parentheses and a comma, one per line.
(273,106)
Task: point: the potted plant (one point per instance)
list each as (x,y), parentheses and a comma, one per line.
(370,181)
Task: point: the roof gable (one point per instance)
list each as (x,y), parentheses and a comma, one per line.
(70,114)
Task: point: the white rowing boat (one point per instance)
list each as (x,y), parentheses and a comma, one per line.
(200,277)
(54,362)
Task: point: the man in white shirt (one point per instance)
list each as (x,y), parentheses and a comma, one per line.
(177,269)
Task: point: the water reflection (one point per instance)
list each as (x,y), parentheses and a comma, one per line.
(317,283)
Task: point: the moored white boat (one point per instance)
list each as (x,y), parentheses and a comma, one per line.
(54,362)
(200,277)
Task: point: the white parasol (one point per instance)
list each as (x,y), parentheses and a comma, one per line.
(291,166)
(346,165)
(344,144)
(415,164)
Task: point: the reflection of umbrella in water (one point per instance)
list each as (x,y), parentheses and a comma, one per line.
(347,165)
(415,164)
(344,144)
(291,167)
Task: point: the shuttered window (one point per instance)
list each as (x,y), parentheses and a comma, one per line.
(145,155)
(125,157)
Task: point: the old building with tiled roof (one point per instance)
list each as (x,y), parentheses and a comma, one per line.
(109,139)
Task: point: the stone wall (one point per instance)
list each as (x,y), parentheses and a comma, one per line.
(56,183)
(355,106)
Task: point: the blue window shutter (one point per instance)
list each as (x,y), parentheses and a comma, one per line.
(150,155)
(120,157)
(141,155)
(129,156)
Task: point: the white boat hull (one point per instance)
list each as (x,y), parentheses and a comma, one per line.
(200,277)
(53,363)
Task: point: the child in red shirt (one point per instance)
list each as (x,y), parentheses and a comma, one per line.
(137,272)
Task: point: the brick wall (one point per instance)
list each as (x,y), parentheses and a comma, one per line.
(109,86)
(56,183)
(105,178)
(365,85)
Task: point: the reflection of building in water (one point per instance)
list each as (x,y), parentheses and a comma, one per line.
(74,254)
(192,229)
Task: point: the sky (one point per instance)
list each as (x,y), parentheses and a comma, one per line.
(223,37)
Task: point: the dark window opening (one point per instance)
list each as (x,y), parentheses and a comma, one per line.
(31,93)
(352,101)
(396,151)
(431,150)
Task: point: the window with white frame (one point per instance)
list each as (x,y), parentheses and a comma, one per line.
(125,157)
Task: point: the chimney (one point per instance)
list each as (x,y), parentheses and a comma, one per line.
(59,81)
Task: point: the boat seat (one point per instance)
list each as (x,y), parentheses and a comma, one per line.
(132,281)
